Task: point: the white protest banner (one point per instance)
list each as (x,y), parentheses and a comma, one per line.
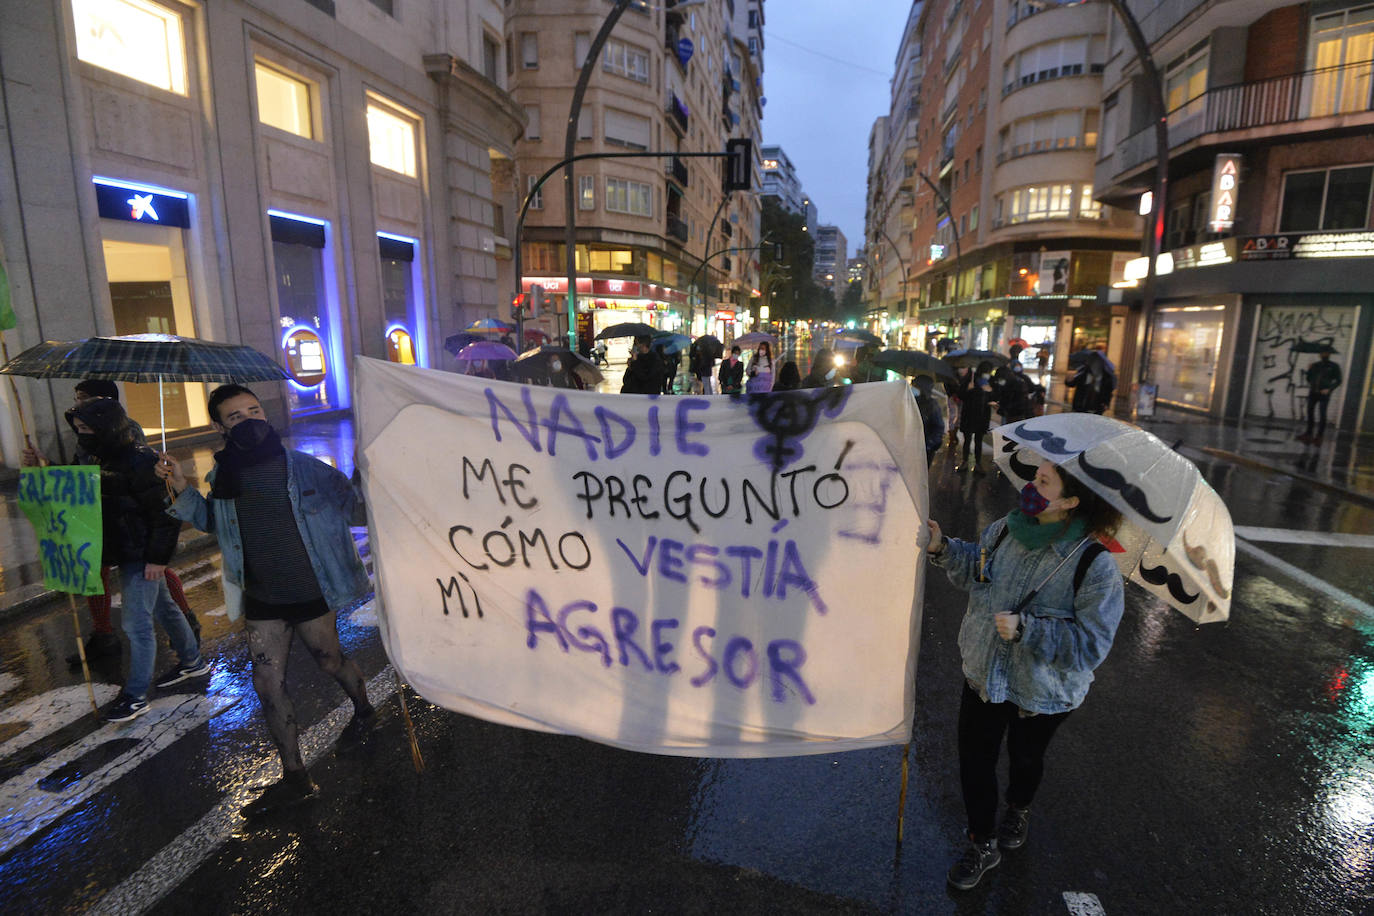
(700,576)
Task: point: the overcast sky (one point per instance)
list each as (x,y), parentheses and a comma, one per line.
(826,72)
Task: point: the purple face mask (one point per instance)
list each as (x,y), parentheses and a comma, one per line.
(1032,503)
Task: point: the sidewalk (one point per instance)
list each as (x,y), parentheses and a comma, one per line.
(1343,465)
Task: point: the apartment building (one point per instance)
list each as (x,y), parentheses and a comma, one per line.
(327,193)
(830,267)
(1009,238)
(1268,248)
(657,240)
(780,180)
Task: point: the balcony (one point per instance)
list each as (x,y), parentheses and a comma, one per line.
(726,263)
(1309,101)
(678,114)
(677,229)
(726,229)
(676,169)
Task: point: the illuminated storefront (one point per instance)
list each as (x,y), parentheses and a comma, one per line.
(312,348)
(143,233)
(402,307)
(1185,354)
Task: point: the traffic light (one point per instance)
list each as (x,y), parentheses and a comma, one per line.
(739,164)
(535,300)
(517,302)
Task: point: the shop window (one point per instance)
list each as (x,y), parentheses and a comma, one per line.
(136,38)
(309,326)
(616,260)
(284,101)
(391,137)
(399,306)
(1329,199)
(1184,350)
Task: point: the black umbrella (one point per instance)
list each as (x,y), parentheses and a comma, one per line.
(1092,359)
(709,346)
(915,362)
(860,334)
(460,340)
(627,329)
(971,358)
(535,365)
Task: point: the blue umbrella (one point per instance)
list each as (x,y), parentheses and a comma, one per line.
(671,343)
(490,324)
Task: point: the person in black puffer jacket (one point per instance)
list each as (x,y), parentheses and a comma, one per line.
(139,538)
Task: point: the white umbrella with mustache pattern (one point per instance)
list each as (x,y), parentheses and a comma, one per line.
(1177,541)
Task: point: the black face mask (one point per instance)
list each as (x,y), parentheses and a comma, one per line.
(89,442)
(249,434)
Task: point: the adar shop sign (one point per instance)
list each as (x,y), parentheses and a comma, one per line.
(63,505)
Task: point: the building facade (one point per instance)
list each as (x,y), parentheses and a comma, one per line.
(328,194)
(1268,248)
(780,180)
(1008,236)
(657,239)
(831,266)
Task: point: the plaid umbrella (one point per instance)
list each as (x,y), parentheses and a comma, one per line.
(146,358)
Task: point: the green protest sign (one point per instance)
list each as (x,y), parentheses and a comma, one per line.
(63,504)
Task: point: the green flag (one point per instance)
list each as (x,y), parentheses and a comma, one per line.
(7,319)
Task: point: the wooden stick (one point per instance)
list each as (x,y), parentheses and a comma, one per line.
(81,651)
(901,799)
(415,756)
(18,404)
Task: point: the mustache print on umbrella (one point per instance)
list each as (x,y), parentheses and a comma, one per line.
(1011,448)
(1160,575)
(1134,496)
(1198,557)
(1048,441)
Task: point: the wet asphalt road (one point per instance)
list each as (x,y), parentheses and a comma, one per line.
(1226,769)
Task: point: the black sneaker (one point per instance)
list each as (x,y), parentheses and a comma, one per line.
(1011,833)
(357,730)
(125,709)
(98,646)
(976,861)
(199,668)
(293,788)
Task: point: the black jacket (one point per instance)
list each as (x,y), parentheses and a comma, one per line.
(731,376)
(976,414)
(136,526)
(644,374)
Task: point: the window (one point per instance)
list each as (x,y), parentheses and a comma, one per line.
(537,202)
(529,50)
(1051,60)
(612,260)
(1341,47)
(1043,133)
(1053,201)
(137,38)
(582,44)
(586,192)
(1087,207)
(628,197)
(386,6)
(625,129)
(284,101)
(584,123)
(532,130)
(753,45)
(491,51)
(626,60)
(392,139)
(753,19)
(973,219)
(1185,82)
(1328,199)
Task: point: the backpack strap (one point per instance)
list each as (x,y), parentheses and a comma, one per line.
(1085,562)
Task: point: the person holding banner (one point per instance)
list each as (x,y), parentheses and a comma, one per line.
(282,520)
(731,373)
(139,538)
(1044,606)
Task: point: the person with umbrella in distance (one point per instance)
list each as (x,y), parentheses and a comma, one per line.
(760,371)
(731,375)
(139,539)
(282,520)
(1323,377)
(975,417)
(644,371)
(1045,600)
(822,372)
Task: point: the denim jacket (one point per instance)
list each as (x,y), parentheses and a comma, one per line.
(1066,635)
(324,504)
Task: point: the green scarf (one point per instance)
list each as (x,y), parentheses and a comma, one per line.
(1032,535)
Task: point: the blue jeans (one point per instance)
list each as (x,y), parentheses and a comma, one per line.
(142,601)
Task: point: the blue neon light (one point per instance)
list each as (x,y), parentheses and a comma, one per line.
(393,237)
(291,332)
(298,217)
(134,186)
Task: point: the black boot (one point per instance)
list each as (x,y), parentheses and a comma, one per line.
(98,646)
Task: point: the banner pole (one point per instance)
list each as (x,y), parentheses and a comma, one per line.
(415,756)
(901,798)
(81,651)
